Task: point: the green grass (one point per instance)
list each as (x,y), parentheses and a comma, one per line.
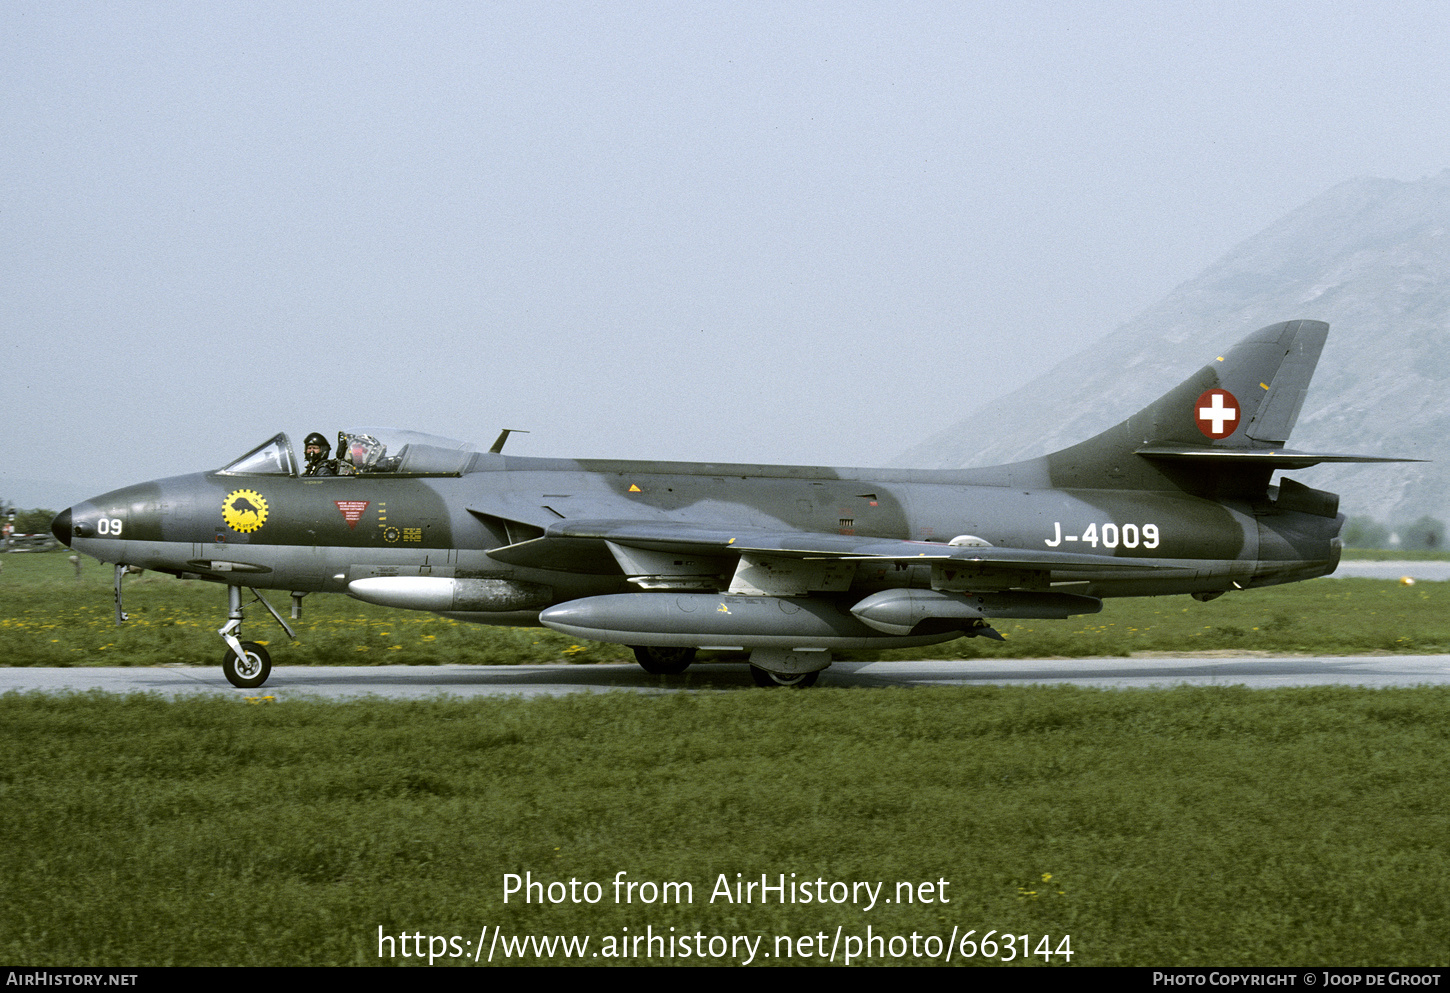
(1320,617)
(1391,555)
(1209,826)
(48,617)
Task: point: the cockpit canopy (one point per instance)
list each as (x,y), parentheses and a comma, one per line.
(371,451)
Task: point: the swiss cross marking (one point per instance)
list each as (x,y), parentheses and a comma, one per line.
(1216,413)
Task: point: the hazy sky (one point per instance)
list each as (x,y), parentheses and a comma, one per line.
(752,232)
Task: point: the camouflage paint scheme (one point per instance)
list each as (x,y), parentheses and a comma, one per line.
(786,561)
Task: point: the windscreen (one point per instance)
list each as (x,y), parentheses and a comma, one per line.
(271,458)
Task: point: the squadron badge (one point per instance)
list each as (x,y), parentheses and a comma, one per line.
(244,510)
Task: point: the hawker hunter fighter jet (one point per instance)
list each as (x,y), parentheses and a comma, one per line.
(785,562)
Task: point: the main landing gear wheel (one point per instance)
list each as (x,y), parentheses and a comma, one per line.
(664,661)
(799,680)
(249,672)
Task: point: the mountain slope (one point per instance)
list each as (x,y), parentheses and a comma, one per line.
(1371,257)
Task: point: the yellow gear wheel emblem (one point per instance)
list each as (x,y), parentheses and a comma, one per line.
(244,510)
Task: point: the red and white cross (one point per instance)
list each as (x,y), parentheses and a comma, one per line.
(1217,413)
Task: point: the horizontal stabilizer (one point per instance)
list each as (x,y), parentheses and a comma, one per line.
(1272,459)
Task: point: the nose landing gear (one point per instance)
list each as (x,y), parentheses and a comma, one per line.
(246,663)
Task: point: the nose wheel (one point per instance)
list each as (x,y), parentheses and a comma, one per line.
(246,663)
(251,669)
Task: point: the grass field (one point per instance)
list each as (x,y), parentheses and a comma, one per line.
(1393,555)
(48,617)
(1215,826)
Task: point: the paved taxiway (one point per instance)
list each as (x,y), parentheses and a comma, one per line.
(414,682)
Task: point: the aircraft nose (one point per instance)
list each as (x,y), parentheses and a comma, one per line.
(60,527)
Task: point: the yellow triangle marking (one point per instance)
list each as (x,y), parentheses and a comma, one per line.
(634,489)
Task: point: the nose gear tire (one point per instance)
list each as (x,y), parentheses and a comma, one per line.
(249,672)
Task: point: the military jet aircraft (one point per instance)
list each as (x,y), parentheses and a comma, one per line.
(785,562)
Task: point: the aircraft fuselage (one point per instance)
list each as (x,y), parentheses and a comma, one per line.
(320,534)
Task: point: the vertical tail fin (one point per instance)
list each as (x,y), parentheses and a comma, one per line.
(1217,431)
(1248,398)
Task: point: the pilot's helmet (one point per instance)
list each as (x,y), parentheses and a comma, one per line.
(316,439)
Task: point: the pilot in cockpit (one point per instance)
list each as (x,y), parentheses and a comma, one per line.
(317,449)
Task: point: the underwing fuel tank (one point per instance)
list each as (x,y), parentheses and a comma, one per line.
(900,611)
(444,594)
(702,620)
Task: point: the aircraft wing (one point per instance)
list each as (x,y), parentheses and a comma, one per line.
(716,541)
